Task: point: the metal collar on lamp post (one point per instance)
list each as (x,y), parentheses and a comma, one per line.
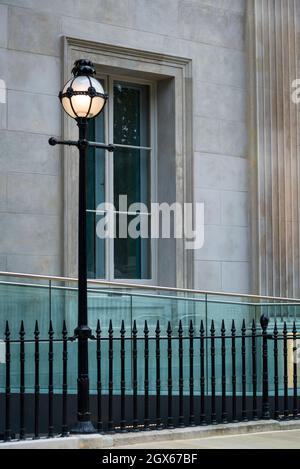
(82,98)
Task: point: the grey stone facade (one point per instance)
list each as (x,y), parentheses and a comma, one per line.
(213,36)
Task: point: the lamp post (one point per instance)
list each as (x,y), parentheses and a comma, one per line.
(82,98)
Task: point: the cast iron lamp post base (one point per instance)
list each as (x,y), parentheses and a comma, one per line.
(83,428)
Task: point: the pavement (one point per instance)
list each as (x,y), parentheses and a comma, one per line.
(289,439)
(264,434)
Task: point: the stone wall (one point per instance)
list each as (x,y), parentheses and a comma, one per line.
(210,33)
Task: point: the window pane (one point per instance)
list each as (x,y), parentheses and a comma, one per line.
(95,247)
(132,256)
(95,196)
(132,175)
(131,114)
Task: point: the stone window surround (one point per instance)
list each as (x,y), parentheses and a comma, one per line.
(163,68)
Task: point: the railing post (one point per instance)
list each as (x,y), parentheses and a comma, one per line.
(7,433)
(202,374)
(244,374)
(233,355)
(223,353)
(123,384)
(213,374)
(170,382)
(181,382)
(295,373)
(50,386)
(276,380)
(36,381)
(99,380)
(286,411)
(22,381)
(254,372)
(146,381)
(264,322)
(134,376)
(65,381)
(192,412)
(110,377)
(159,424)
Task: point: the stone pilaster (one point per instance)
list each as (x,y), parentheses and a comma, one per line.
(274,52)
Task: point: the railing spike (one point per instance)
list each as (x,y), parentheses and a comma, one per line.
(51,331)
(64,330)
(294,328)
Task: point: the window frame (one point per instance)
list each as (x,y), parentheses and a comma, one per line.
(174,76)
(108,81)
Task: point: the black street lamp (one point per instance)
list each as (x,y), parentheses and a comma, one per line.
(82,98)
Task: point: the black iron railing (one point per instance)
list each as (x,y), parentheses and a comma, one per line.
(150,379)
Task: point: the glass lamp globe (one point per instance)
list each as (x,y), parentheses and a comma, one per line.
(83,96)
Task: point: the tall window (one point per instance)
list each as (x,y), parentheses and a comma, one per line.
(128,123)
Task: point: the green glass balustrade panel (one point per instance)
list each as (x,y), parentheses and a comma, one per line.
(31,300)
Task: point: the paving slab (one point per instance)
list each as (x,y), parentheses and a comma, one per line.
(289,439)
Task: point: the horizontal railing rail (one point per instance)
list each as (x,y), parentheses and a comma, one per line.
(115,292)
(138,286)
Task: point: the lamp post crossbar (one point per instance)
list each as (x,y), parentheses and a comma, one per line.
(81,143)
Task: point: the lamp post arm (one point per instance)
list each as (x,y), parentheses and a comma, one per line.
(81,143)
(54,141)
(109,147)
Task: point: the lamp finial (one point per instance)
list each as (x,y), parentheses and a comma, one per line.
(83,67)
